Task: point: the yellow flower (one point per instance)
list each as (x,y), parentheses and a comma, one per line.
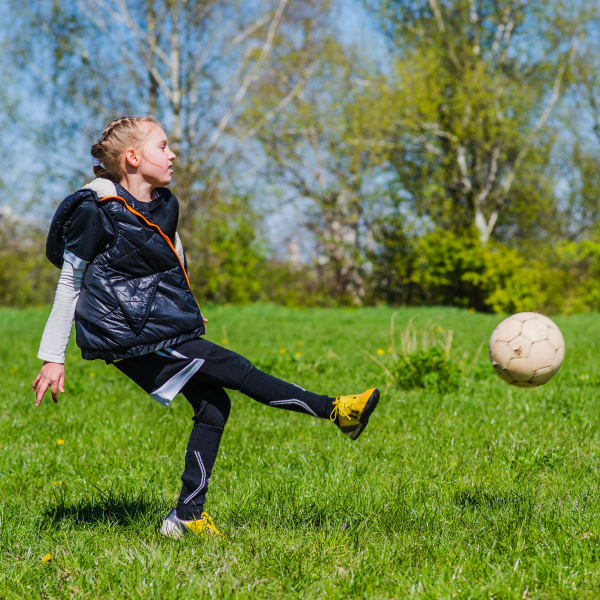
(298,354)
(438,329)
(14,369)
(330,355)
(380,351)
(57,483)
(92,374)
(389,351)
(282,351)
(46,558)
(224,341)
(300,343)
(471,310)
(60,442)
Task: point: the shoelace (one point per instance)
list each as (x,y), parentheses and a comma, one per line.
(204,523)
(342,406)
(209,523)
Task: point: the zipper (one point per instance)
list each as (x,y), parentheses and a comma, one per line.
(135,212)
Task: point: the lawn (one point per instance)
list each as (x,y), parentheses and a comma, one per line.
(484,492)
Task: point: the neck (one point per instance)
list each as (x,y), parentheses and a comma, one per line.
(141,190)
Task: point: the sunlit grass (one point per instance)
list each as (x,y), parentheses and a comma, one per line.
(486,492)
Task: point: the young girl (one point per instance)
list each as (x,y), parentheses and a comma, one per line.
(124,282)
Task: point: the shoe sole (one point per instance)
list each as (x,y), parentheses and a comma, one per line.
(370,406)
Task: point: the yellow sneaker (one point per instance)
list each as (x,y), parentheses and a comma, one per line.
(351,413)
(174,527)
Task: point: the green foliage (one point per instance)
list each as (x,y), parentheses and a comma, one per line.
(26,276)
(444,268)
(469,147)
(431,369)
(571,276)
(226,260)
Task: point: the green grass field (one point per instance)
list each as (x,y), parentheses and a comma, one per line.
(486,492)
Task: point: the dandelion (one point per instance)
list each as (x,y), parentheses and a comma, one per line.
(300,343)
(330,355)
(60,442)
(57,483)
(471,310)
(439,329)
(224,341)
(46,558)
(298,354)
(92,374)
(390,350)
(282,351)
(14,369)
(380,351)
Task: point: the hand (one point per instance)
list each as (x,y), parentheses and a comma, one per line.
(52,375)
(204,319)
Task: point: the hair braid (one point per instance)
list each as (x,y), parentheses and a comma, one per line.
(118,135)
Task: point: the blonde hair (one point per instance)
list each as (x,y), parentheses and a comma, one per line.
(120,134)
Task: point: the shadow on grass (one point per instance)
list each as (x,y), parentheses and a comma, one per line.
(108,508)
(479,498)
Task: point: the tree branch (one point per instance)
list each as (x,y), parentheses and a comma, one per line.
(266,49)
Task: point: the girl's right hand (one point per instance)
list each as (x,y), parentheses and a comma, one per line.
(52,375)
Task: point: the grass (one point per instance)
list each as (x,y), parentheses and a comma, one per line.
(485,492)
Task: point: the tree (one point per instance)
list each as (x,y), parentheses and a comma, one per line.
(190,62)
(194,63)
(316,159)
(474,86)
(581,159)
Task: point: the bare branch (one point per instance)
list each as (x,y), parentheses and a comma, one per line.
(437,13)
(248,32)
(461,160)
(283,103)
(266,49)
(491,179)
(508,180)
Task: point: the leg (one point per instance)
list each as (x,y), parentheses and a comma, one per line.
(225,368)
(211,406)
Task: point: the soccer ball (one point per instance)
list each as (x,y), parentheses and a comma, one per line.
(527,349)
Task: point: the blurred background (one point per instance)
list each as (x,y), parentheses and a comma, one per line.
(330,152)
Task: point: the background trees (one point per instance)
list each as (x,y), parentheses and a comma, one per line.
(443,152)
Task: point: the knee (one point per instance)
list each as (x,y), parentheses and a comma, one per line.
(210,415)
(214,412)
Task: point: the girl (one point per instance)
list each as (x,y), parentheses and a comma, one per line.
(124,282)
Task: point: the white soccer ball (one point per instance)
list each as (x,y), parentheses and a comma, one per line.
(527,349)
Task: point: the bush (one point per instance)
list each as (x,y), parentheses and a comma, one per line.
(26,276)
(431,369)
(444,268)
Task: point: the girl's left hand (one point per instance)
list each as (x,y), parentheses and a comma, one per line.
(52,375)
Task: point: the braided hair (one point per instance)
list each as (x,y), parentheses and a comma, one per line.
(120,134)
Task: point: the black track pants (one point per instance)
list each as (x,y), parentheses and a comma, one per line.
(205,391)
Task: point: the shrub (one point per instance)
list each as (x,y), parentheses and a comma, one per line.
(431,369)
(26,276)
(447,269)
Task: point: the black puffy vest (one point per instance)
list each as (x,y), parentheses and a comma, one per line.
(135,296)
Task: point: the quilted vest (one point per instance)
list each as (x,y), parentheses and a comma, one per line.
(135,297)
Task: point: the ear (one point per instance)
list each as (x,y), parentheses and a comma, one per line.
(132,157)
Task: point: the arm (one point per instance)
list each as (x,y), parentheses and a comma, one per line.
(58,329)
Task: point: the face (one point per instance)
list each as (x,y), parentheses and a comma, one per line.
(156,158)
